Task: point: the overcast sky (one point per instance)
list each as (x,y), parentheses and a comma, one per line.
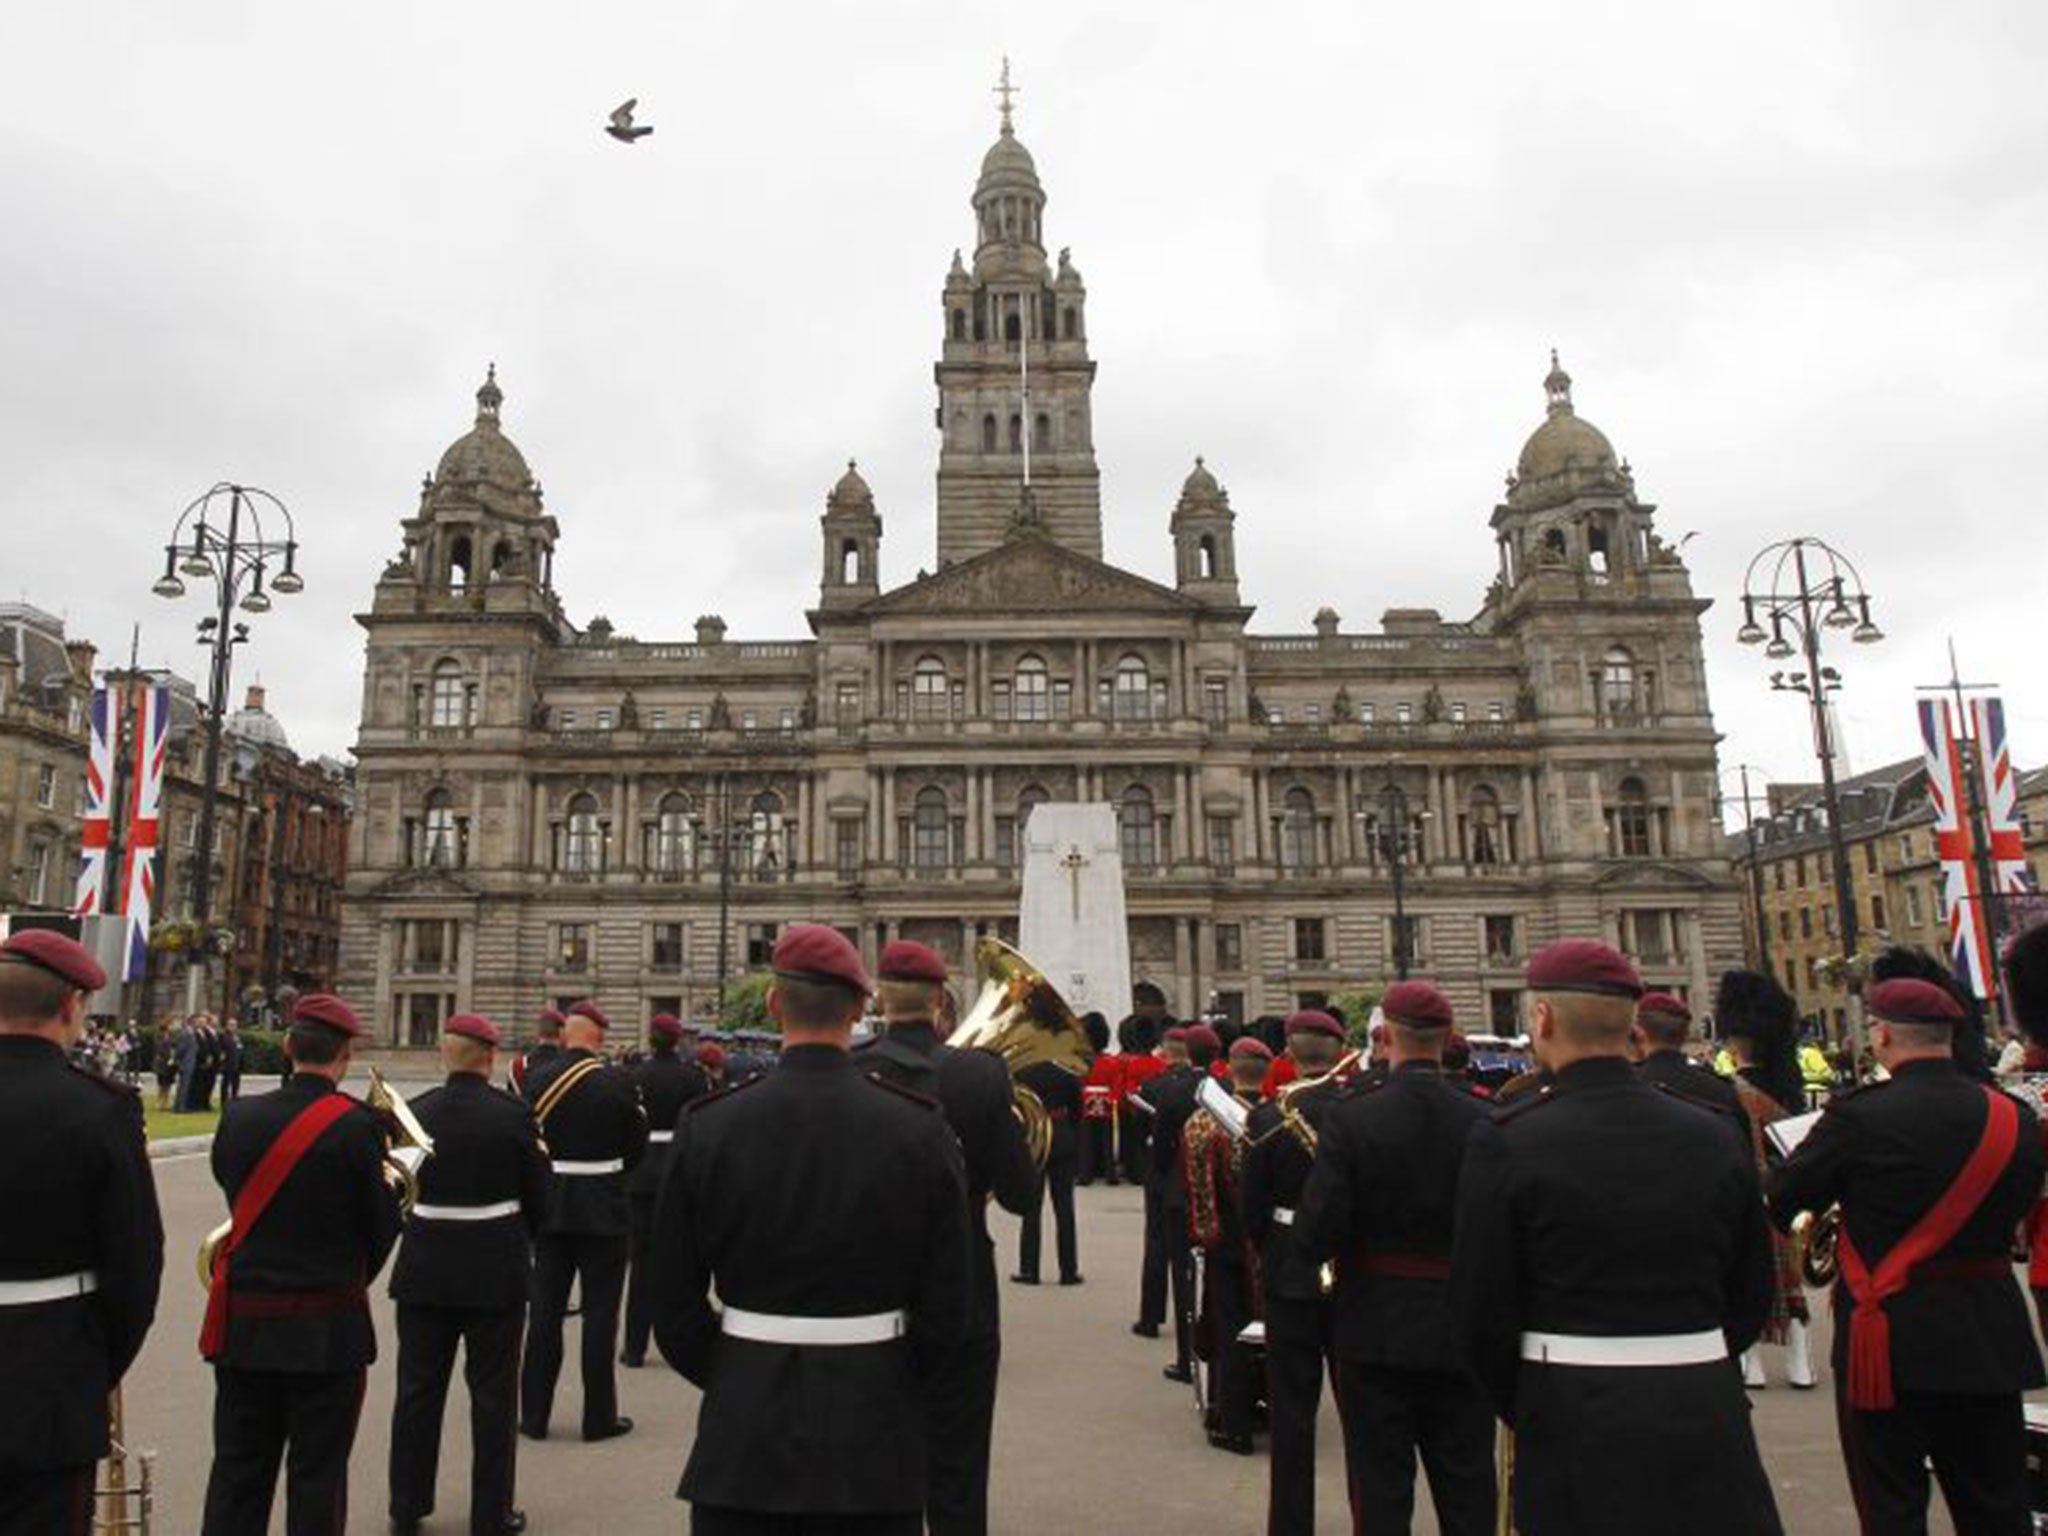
(1795,257)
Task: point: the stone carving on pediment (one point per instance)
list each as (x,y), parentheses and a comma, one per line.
(1031,574)
(427,882)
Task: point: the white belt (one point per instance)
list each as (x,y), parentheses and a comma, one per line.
(27,1293)
(1283,1215)
(587,1169)
(767,1328)
(1648,1349)
(489,1212)
(655,1138)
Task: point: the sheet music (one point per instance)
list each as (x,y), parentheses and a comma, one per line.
(1786,1134)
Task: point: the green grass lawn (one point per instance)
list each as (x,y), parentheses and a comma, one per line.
(162,1123)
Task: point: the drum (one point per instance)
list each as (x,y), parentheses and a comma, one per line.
(1098,1102)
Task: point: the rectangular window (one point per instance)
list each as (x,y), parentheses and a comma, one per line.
(665,1002)
(1312,714)
(665,947)
(568,721)
(1404,714)
(604,719)
(1827,920)
(1504,1011)
(1276,714)
(572,947)
(657,719)
(694,720)
(429,945)
(1876,910)
(1216,700)
(1417,939)
(1309,939)
(1650,934)
(848,705)
(1365,713)
(1870,857)
(1785,926)
(1905,847)
(999,700)
(46,785)
(421,1014)
(1806,922)
(760,944)
(1503,944)
(38,874)
(1062,700)
(1778,876)
(1230,947)
(846,849)
(1916,915)
(748,720)
(786,717)
(1496,712)
(1231,1006)
(1802,871)
(1457,714)
(1222,845)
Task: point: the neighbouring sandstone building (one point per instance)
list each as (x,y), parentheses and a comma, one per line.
(549,809)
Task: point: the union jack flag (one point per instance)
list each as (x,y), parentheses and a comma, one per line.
(152,710)
(99,804)
(1969,912)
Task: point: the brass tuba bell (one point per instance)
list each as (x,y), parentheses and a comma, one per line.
(1817,1237)
(1022,1018)
(406,1147)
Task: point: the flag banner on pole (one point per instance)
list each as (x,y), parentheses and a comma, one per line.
(152,707)
(95,833)
(1999,787)
(1969,916)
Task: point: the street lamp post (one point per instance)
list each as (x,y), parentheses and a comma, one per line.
(239,559)
(1394,836)
(1793,591)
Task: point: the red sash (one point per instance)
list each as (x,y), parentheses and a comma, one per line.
(1870,1328)
(262,1186)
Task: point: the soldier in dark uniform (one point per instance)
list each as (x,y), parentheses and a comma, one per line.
(828,1206)
(595,1132)
(1169,1262)
(1060,1091)
(460,1280)
(547,1045)
(1212,1163)
(973,1088)
(1611,1259)
(83,1251)
(1933,1348)
(1276,1171)
(666,1081)
(1663,1024)
(1381,1204)
(288,1318)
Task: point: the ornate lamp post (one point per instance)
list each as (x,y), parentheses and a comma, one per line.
(1793,593)
(1395,835)
(246,564)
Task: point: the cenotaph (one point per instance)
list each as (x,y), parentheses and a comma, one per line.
(1072,924)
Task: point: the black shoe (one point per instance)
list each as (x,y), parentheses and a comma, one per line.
(1145,1330)
(515,1522)
(1023,1279)
(1183,1374)
(533,1431)
(619,1426)
(633,1362)
(1237,1445)
(1070,1279)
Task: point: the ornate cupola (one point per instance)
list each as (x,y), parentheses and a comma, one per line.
(853,542)
(1204,545)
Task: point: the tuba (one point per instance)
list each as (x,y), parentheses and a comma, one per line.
(406,1147)
(1021,1017)
(1816,1238)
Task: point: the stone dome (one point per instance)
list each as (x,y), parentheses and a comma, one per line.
(1200,485)
(852,489)
(257,725)
(484,453)
(1564,456)
(1008,163)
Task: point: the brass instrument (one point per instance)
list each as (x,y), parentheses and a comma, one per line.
(407,1147)
(121,1508)
(1817,1238)
(1021,1017)
(1297,1125)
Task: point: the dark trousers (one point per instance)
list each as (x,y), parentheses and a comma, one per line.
(708,1520)
(559,1260)
(427,1340)
(1392,1413)
(1098,1152)
(42,1503)
(1297,1349)
(1977,1444)
(231,1086)
(960,1417)
(1233,1383)
(1058,1182)
(1168,1259)
(1136,1139)
(307,1419)
(639,1303)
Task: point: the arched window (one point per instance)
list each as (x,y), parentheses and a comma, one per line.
(1617,682)
(1554,546)
(1041,433)
(988,433)
(1133,695)
(931,831)
(501,558)
(767,852)
(1632,820)
(1298,832)
(1016,434)
(1138,826)
(448,696)
(928,689)
(1034,690)
(849,562)
(582,837)
(461,558)
(959,325)
(674,853)
(440,836)
(1205,557)
(1483,828)
(1013,328)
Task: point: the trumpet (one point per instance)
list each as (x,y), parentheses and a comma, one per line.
(1297,1125)
(1817,1240)
(1022,1018)
(407,1147)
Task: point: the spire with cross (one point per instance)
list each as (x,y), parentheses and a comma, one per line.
(1004,91)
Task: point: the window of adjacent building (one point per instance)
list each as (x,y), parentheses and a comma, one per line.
(1877,910)
(1617,682)
(1484,843)
(1138,830)
(1309,938)
(1651,934)
(1216,700)
(847,703)
(1062,699)
(928,692)
(38,874)
(421,1013)
(1806,922)
(443,835)
(1222,845)
(1827,920)
(1503,943)
(1630,820)
(1940,892)
(429,945)
(1915,913)
(1298,832)
(1230,947)
(1784,925)
(1416,934)
(931,830)
(673,851)
(572,947)
(46,785)
(846,848)
(449,696)
(761,944)
(1033,688)
(1800,870)
(582,837)
(1870,857)
(665,947)
(767,854)
(1504,1011)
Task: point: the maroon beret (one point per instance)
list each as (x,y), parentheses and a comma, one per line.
(586,1009)
(1179,1032)
(711,1054)
(903,960)
(1417,1004)
(1907,1000)
(1313,1021)
(812,952)
(1251,1045)
(1202,1037)
(473,1026)
(1664,1006)
(66,959)
(325,1008)
(665,1026)
(1583,965)
(549,1016)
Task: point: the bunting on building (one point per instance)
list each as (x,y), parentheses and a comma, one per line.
(1971,914)
(152,709)
(96,832)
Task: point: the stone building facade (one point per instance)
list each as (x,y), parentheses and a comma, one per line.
(45,692)
(549,809)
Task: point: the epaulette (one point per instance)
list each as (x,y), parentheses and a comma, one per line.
(1522,1103)
(118,1089)
(704,1101)
(1676,1097)
(1364,1083)
(900,1091)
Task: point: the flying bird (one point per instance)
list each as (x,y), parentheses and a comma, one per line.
(622,127)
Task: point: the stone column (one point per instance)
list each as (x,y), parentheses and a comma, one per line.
(1181,816)
(988,813)
(975,848)
(889,816)
(1183,971)
(806,840)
